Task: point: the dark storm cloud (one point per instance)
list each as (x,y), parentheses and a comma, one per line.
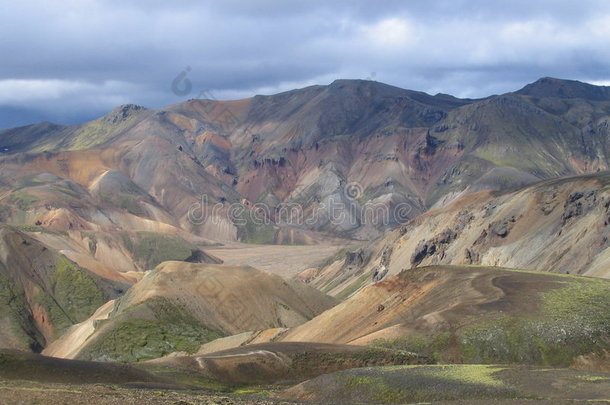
(75,59)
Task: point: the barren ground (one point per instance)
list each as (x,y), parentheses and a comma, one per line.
(284,260)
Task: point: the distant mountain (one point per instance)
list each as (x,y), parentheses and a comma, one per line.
(548,87)
(338,152)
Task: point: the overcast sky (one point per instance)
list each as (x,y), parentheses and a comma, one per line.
(69,61)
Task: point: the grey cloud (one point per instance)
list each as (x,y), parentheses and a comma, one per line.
(238,48)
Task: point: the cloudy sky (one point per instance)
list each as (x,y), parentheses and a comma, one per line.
(69,61)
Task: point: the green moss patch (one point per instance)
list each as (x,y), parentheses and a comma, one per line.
(73,296)
(311,363)
(23,200)
(128,202)
(434,347)
(16,313)
(353,287)
(75,290)
(37,228)
(421,384)
(150,330)
(574,320)
(252,229)
(150,248)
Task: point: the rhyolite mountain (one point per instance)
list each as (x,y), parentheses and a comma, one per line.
(395,148)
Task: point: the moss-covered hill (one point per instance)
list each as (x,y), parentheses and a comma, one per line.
(180,306)
(30,378)
(42,293)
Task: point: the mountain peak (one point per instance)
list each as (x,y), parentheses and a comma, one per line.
(123,112)
(553,87)
(360,83)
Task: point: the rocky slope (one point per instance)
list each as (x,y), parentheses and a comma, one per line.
(560,226)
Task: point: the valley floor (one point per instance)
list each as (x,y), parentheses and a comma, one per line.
(26,392)
(283,260)
(17,392)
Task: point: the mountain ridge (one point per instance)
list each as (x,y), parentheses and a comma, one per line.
(529,89)
(305,146)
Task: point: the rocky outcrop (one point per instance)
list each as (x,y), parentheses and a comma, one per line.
(503,227)
(435,246)
(199,256)
(578,203)
(355,259)
(384,263)
(123,112)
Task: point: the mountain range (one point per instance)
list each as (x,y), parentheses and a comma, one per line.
(332,151)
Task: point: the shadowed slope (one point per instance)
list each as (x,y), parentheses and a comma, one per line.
(285,361)
(43,293)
